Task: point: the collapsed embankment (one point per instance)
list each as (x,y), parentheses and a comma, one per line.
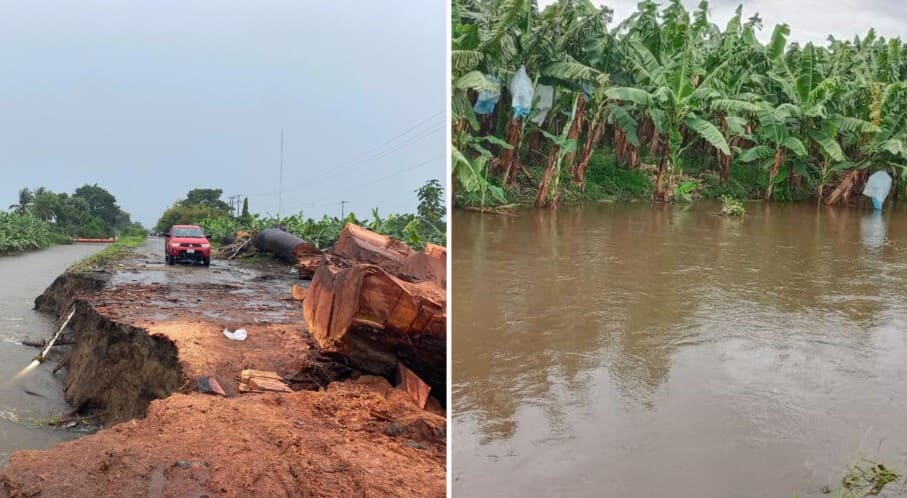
(113,370)
(145,334)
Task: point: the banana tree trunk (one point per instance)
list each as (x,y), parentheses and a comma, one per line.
(845,188)
(596,130)
(662,194)
(576,128)
(510,159)
(542,198)
(776,167)
(724,160)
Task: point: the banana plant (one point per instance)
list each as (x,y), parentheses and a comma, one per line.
(774,140)
(673,93)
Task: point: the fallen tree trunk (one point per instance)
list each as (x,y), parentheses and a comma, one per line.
(379,314)
(285,246)
(365,246)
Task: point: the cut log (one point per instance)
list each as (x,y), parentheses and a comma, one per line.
(285,246)
(379,314)
(306,265)
(365,246)
(430,266)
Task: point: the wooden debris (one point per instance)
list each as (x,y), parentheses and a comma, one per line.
(413,385)
(299,292)
(238,246)
(363,305)
(260,381)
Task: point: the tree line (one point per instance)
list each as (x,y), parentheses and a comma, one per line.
(669,94)
(204,207)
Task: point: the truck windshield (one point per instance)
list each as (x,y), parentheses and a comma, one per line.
(186,232)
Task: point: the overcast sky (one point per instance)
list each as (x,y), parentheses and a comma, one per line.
(151,99)
(810,20)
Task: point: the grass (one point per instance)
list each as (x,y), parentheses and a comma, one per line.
(117,251)
(605,180)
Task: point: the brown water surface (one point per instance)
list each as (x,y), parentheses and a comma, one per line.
(632,350)
(27,403)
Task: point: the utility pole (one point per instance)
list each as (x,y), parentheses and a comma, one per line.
(231,200)
(341,208)
(280,180)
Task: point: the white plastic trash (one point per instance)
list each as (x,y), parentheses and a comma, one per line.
(236,335)
(544,100)
(877,187)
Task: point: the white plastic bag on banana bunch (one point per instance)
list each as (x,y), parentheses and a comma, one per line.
(544,100)
(521,90)
(877,187)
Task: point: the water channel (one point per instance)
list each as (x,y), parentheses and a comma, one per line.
(38,396)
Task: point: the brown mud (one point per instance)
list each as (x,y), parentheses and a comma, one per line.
(145,332)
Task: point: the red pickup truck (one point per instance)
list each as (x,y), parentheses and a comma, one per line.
(186,243)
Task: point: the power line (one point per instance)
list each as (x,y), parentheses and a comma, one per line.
(333,171)
(340,172)
(376,180)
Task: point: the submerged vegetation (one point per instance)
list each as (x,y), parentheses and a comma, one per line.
(561,103)
(731,206)
(865,478)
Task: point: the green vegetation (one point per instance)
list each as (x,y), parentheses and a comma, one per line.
(23,232)
(665,105)
(864,478)
(117,251)
(199,204)
(731,206)
(426,226)
(41,218)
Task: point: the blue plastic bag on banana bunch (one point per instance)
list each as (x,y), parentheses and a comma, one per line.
(877,187)
(488,98)
(544,99)
(521,90)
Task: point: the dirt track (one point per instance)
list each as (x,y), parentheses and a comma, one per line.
(148,329)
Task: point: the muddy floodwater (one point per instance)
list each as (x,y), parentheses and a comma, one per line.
(637,350)
(38,396)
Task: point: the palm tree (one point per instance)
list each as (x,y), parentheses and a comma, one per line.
(26,198)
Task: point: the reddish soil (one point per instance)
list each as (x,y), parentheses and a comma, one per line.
(356,438)
(359,438)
